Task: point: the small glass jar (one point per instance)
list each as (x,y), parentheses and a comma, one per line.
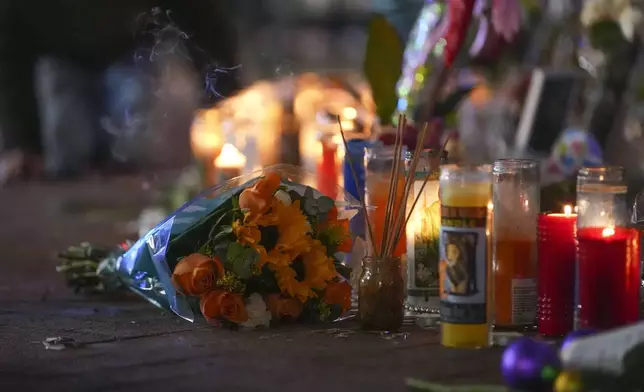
(380,161)
(381,294)
(608,269)
(515,192)
(422,232)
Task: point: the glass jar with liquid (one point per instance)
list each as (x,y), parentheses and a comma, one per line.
(465,255)
(515,193)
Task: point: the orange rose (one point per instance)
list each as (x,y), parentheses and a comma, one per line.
(338,294)
(220,304)
(197,274)
(284,307)
(267,186)
(257,199)
(253,202)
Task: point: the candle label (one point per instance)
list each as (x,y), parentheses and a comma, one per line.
(423,251)
(524,301)
(463,257)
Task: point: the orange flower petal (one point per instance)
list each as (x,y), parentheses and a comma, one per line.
(283,307)
(338,294)
(196,274)
(220,304)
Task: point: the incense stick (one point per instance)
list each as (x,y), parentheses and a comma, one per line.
(400,214)
(422,187)
(393,181)
(347,156)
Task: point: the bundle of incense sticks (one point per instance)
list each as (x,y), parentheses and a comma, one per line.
(395,218)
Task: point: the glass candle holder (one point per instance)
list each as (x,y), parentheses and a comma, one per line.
(464,255)
(381,294)
(327,169)
(557,248)
(514,246)
(380,161)
(608,251)
(423,232)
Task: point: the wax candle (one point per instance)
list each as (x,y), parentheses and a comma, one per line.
(378,176)
(515,193)
(609,276)
(327,170)
(229,163)
(206,142)
(556,272)
(422,233)
(464,256)
(608,266)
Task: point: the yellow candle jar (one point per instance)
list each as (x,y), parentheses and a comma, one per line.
(464,268)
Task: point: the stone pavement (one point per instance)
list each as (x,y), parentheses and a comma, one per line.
(125,344)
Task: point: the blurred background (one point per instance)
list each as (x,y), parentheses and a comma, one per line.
(143,86)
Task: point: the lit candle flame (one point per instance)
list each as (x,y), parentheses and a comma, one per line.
(230,158)
(608,232)
(349,113)
(567,210)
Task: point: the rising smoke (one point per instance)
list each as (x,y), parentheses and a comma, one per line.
(152,103)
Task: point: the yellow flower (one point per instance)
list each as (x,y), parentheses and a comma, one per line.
(287,282)
(292,226)
(318,267)
(247,234)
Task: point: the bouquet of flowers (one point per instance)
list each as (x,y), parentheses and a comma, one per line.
(254,250)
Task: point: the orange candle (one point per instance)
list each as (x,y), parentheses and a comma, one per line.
(379,164)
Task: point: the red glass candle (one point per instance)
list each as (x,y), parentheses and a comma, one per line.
(327,176)
(609,277)
(557,248)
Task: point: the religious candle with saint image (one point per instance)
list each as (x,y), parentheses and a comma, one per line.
(464,257)
(608,273)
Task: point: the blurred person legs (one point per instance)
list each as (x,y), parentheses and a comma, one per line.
(68,111)
(92,36)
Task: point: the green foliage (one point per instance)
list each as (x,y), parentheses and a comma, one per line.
(193,239)
(315,310)
(264,282)
(241,260)
(383,65)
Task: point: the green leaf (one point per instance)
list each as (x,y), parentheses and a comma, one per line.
(225,232)
(450,103)
(383,65)
(235,201)
(218,222)
(325,204)
(241,260)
